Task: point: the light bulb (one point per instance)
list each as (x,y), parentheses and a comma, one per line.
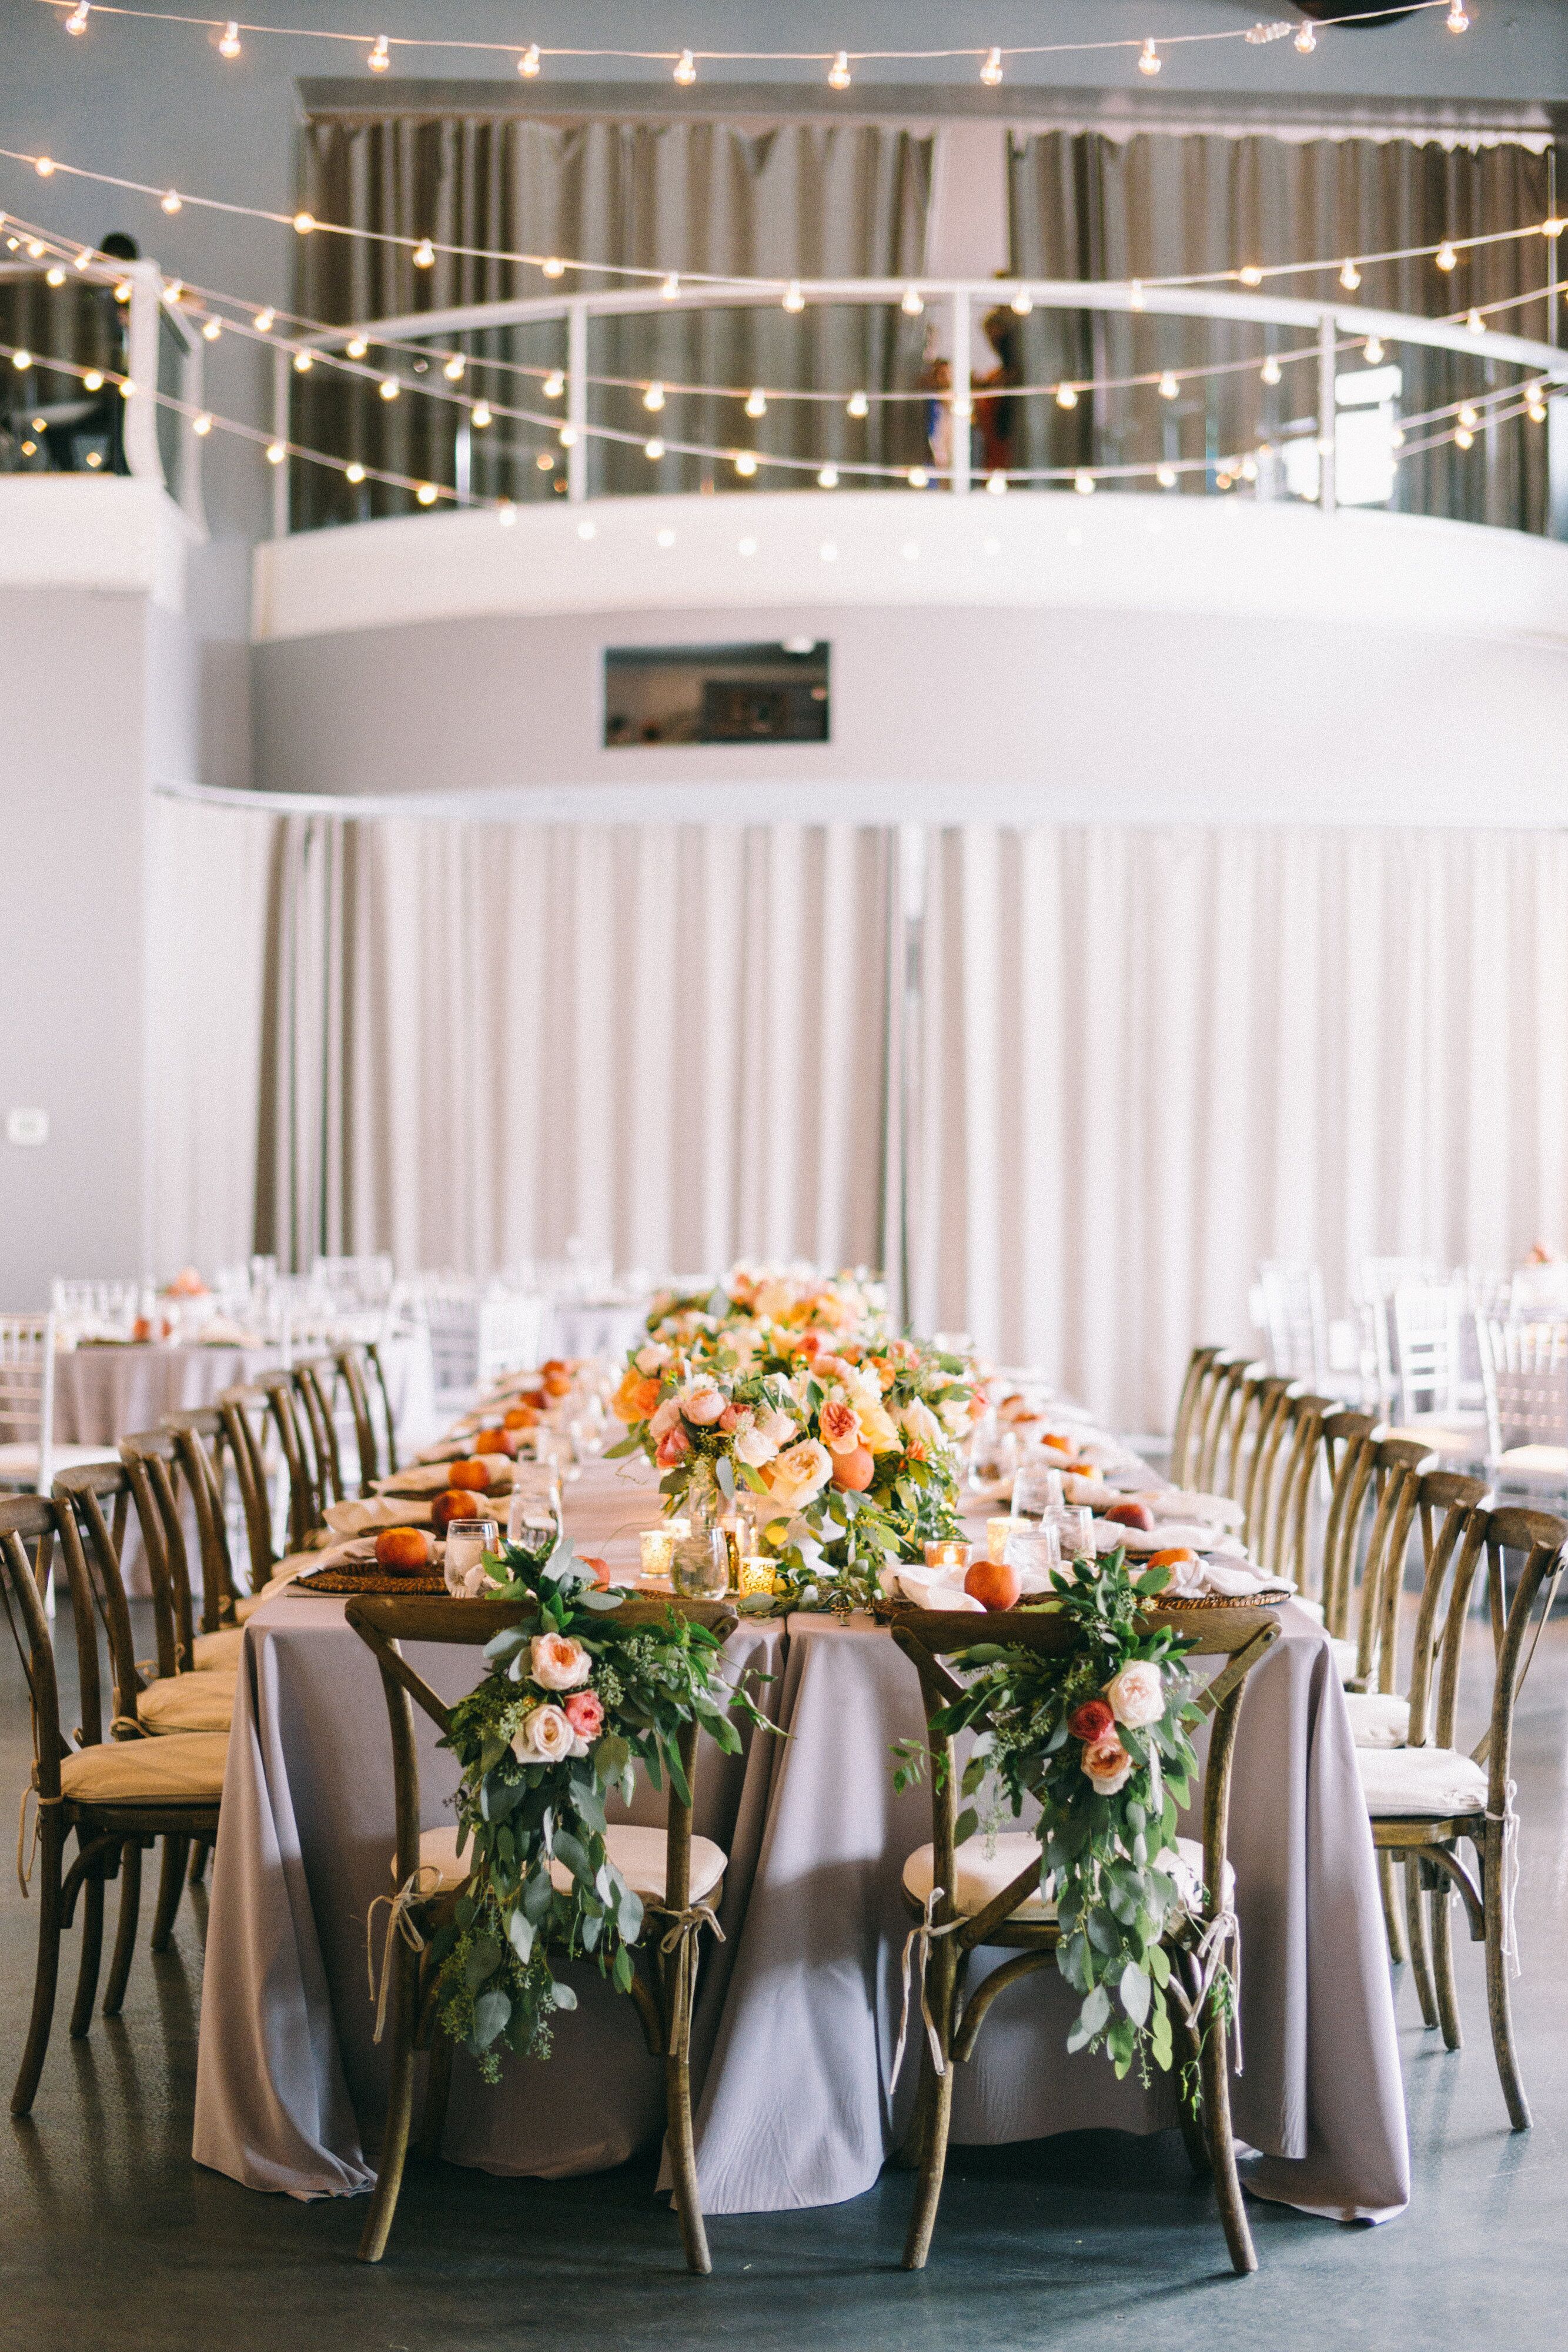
(354,471)
(169,202)
(77,21)
(174,290)
(1083,482)
(554,384)
(1536,411)
(229,45)
(991,71)
(1223,480)
(55,276)
(1149,63)
(212,330)
(1457,20)
(95,458)
(1373,350)
(671,287)
(201,426)
(1270,370)
(1445,257)
(453,369)
(479,414)
(35,249)
(275,452)
(1248,469)
(1066,395)
(357,348)
(918,478)
(424,255)
(44,167)
(1474,322)
(265,321)
(426,494)
(839,71)
(93,379)
(389,387)
(686,70)
(745,463)
(528,63)
(1166,476)
(553,266)
(304,223)
(654,398)
(654,447)
(912,303)
(1467,417)
(1464,438)
(380,59)
(122,291)
(84,258)
(1022,303)
(996,484)
(303,362)
(1349,277)
(1396,437)
(828,479)
(566,436)
(857,405)
(1169,387)
(1306,39)
(793,297)
(1250,274)
(21,359)
(1137,298)
(757,401)
(1552,227)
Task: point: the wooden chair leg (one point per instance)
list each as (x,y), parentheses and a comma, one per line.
(1190,2111)
(1499,2008)
(681,1991)
(200,1850)
(91,1957)
(399,2111)
(171,1879)
(1415,1931)
(125,1930)
(1391,1919)
(46,1975)
(1214,2066)
(933,2165)
(437,2094)
(1443,1968)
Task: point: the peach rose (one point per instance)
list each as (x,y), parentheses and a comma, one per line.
(800,1473)
(557,1662)
(1136,1696)
(585,1710)
(672,1447)
(840,1427)
(1108,1765)
(666,1418)
(703,1404)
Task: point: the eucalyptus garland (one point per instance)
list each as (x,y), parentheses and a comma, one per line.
(1098,1736)
(573,1703)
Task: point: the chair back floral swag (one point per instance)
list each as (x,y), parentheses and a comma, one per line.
(789,1395)
(573,1703)
(1098,1736)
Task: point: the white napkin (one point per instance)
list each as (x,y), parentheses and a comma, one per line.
(1094,1492)
(1175,1535)
(380,1511)
(450,1449)
(1233,1579)
(929,1588)
(1190,1503)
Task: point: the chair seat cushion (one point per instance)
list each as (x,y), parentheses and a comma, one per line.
(189,1702)
(986,1865)
(1456,1436)
(21,1460)
(638,1854)
(210,1650)
(148,1771)
(1545,1466)
(1421,1783)
(1377,1719)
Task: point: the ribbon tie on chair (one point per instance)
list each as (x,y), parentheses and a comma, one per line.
(685,1925)
(916,1962)
(1207,1957)
(1508,1820)
(400,1922)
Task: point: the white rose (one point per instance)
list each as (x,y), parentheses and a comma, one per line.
(955,1418)
(543,1737)
(651,1359)
(754,1448)
(1137,1694)
(779,1428)
(919,1424)
(801,1471)
(557,1662)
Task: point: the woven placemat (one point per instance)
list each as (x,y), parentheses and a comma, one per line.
(1274,1597)
(366,1580)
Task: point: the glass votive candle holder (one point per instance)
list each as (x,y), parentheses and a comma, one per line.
(947,1551)
(756,1574)
(468,1541)
(997,1534)
(658,1550)
(1032,1547)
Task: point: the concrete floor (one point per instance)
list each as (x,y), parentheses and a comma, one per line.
(109,2236)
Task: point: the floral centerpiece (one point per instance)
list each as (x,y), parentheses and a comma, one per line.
(1098,1736)
(573,1703)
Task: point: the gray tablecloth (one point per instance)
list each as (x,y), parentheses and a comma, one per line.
(798,2008)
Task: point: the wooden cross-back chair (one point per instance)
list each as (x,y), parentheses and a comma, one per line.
(115,1797)
(1014,1916)
(365,1382)
(246,1418)
(1193,1387)
(1278,1528)
(1257,1427)
(680,1887)
(315,1381)
(307,1494)
(1220,1410)
(1428,1797)
(201,1447)
(1345,1436)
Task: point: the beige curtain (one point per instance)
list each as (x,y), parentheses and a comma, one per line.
(795,200)
(1086,206)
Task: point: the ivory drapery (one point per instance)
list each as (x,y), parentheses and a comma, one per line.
(1114,1068)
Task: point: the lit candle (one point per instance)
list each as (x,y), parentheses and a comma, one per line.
(997,1534)
(756,1572)
(658,1549)
(947,1553)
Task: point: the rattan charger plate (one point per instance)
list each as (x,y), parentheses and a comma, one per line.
(379,1581)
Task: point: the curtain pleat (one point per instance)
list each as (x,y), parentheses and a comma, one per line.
(1083,205)
(794,201)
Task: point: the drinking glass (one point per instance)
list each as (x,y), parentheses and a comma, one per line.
(993,1455)
(533,1522)
(1033,1547)
(700,1567)
(1074,1527)
(468,1541)
(1036,1491)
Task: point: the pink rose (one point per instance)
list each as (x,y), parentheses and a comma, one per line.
(1108,1765)
(585,1710)
(841,1426)
(671,1448)
(702,1406)
(1137,1694)
(1092,1720)
(736,1418)
(665,1417)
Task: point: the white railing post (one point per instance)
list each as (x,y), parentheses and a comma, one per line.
(576,402)
(193,377)
(1328,409)
(141,420)
(962,403)
(281,373)
(1557,464)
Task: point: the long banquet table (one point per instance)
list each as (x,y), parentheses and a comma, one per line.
(799,2010)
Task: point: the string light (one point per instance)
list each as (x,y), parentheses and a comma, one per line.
(77,21)
(93,379)
(353,471)
(744,463)
(453,369)
(1135,297)
(1066,396)
(1083,482)
(567,437)
(1149,63)
(389,387)
(380,59)
(1166,476)
(1467,417)
(1269,371)
(1250,274)
(671,288)
(44,167)
(912,303)
(1306,39)
(212,330)
(303,362)
(275,452)
(686,70)
(424,255)
(996,484)
(654,447)
(264,321)
(357,348)
(229,45)
(757,401)
(55,276)
(1553,228)
(1536,409)
(1464,438)
(654,398)
(554,384)
(528,63)
(839,71)
(858,404)
(793,297)
(918,478)
(426,494)
(169,201)
(553,266)
(21,359)
(201,426)
(304,223)
(991,71)
(1373,350)
(1169,388)
(1457,20)
(1349,277)
(479,414)
(1474,322)
(1022,303)
(1445,257)
(828,479)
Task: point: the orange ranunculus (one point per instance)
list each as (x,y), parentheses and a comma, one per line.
(840,1425)
(635,1397)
